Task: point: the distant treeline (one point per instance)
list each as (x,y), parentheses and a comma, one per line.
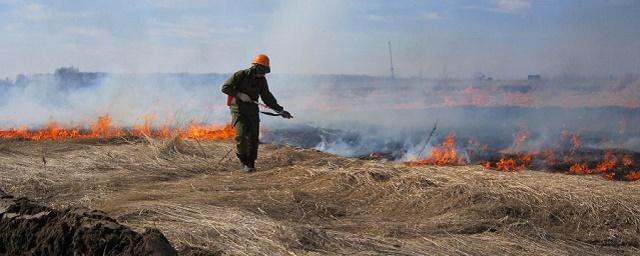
(72,77)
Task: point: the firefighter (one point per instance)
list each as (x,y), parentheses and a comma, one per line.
(243,89)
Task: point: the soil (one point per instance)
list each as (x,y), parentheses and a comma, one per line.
(27,228)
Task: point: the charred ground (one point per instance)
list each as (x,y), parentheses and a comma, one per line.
(307,202)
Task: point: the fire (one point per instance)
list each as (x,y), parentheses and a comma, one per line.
(212,132)
(632,176)
(145,128)
(627,160)
(443,154)
(573,138)
(103,128)
(565,153)
(511,164)
(609,161)
(506,164)
(579,168)
(518,140)
(51,131)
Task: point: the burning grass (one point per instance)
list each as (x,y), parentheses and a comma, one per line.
(568,156)
(102,128)
(443,154)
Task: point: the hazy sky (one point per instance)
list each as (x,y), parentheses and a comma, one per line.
(500,38)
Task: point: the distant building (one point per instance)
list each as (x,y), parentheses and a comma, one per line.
(481,77)
(534,77)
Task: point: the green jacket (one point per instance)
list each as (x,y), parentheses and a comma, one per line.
(245,81)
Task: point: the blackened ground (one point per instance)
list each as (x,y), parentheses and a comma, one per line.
(357,134)
(27,228)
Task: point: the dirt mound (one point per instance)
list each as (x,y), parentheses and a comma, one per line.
(32,229)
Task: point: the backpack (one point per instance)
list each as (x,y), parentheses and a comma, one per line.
(229,100)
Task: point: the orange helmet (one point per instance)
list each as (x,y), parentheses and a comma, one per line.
(261,59)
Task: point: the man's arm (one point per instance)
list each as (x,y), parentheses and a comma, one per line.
(229,86)
(268,98)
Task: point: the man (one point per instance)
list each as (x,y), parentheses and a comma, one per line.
(243,89)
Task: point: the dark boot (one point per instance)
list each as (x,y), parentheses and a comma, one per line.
(252,165)
(244,160)
(251,159)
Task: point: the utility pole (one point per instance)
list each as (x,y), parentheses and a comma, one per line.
(391,61)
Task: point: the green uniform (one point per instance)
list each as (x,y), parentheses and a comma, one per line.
(245,115)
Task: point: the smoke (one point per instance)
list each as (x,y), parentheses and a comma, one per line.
(395,116)
(350,115)
(76,99)
(303,36)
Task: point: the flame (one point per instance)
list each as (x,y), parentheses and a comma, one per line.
(518,140)
(627,160)
(103,128)
(573,138)
(564,153)
(211,132)
(632,176)
(443,154)
(506,164)
(511,164)
(145,128)
(579,168)
(609,161)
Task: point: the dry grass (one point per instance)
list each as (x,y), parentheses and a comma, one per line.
(307,202)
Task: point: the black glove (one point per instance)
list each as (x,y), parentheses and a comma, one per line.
(286,114)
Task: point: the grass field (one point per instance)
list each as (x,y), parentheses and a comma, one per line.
(305,202)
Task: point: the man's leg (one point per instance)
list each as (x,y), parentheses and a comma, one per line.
(242,140)
(254,130)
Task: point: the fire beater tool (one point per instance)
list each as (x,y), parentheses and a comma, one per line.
(435,126)
(266,112)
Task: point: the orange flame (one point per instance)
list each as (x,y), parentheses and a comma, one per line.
(632,176)
(443,154)
(102,128)
(627,160)
(608,162)
(579,168)
(511,164)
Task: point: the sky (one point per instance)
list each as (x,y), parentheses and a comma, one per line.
(430,38)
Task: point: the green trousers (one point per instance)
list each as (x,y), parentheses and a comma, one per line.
(247,129)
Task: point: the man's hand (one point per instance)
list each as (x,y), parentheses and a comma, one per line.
(286,114)
(243,97)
